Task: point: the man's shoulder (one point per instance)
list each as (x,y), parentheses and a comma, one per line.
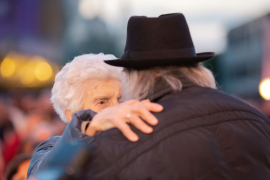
(203,101)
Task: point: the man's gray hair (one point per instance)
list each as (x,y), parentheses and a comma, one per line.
(72,82)
(140,83)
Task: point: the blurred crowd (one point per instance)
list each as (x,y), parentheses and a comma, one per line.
(26,119)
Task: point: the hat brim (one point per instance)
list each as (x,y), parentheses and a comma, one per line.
(148,63)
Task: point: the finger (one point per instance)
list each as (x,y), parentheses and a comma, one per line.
(140,124)
(146,100)
(141,111)
(131,102)
(91,130)
(128,133)
(154,107)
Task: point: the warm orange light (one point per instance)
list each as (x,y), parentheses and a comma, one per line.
(8,67)
(264,89)
(43,71)
(23,70)
(27,74)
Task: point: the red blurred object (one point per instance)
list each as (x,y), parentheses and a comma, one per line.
(10,146)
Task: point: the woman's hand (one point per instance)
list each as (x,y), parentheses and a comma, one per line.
(128,112)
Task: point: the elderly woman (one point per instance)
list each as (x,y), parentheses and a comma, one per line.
(89,83)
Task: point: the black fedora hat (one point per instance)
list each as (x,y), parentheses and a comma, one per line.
(162,41)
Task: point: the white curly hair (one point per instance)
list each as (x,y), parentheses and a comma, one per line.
(72,82)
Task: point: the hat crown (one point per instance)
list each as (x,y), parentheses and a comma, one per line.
(166,32)
(161,41)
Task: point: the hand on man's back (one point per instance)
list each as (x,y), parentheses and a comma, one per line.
(132,111)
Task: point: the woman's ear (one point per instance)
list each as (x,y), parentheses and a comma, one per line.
(68,115)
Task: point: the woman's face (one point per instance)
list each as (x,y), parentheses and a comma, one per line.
(103,94)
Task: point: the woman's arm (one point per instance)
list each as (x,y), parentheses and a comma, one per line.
(128,112)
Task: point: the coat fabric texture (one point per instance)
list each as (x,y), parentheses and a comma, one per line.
(202,134)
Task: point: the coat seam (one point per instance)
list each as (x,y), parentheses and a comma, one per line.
(222,155)
(128,150)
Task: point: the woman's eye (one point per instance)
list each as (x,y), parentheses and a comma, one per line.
(101,102)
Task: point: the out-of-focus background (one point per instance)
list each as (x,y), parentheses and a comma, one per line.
(37,37)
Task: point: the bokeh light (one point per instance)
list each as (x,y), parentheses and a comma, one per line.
(8,67)
(264,89)
(89,8)
(43,71)
(27,74)
(25,70)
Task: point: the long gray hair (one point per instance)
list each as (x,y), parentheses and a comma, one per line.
(139,83)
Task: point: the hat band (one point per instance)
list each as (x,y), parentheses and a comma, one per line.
(188,52)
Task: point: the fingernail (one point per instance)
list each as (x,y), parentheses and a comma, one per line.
(135,138)
(155,121)
(159,107)
(149,130)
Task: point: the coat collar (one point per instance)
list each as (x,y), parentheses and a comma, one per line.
(162,88)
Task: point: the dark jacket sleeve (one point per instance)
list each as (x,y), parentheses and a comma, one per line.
(47,149)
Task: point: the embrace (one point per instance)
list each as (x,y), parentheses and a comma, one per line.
(172,124)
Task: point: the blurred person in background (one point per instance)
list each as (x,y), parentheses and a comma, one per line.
(89,83)
(39,128)
(17,168)
(9,137)
(26,119)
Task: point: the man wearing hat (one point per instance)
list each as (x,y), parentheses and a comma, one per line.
(202,133)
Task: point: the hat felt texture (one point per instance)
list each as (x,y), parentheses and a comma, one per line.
(161,41)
